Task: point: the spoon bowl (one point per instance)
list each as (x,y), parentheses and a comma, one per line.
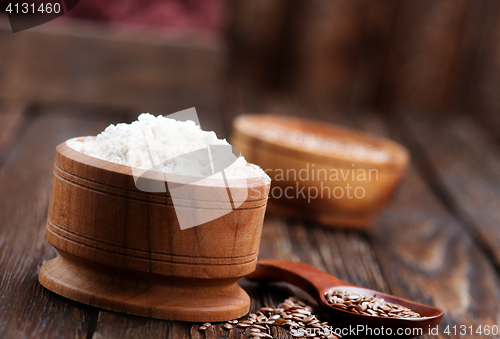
(317,283)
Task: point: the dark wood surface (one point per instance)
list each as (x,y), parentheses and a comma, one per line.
(436,243)
(88,63)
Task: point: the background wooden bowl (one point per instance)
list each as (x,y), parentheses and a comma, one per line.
(122,249)
(283,146)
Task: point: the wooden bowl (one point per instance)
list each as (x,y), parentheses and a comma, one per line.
(122,249)
(311,164)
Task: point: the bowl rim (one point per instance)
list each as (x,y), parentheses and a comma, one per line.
(66,151)
(399,154)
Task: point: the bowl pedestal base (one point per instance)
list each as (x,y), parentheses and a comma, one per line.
(143,294)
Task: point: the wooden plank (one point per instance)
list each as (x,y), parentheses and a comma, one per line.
(340,48)
(110,324)
(490,121)
(12,117)
(344,254)
(479,34)
(482,95)
(327,50)
(424,63)
(426,253)
(463,165)
(27,309)
(253,37)
(80,62)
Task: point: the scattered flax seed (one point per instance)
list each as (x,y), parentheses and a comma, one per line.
(371,306)
(292,314)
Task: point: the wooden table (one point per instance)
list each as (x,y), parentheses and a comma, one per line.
(436,243)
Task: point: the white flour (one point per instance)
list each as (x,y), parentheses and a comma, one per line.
(166,139)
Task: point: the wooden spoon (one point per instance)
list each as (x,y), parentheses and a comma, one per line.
(316,283)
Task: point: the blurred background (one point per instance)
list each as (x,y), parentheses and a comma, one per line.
(430,57)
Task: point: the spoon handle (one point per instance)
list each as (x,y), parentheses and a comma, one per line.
(310,279)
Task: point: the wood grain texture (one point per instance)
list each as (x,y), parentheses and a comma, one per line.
(425,55)
(437,261)
(482,99)
(327,50)
(426,255)
(462,163)
(118,325)
(424,60)
(29,310)
(126,68)
(339,48)
(254,34)
(451,271)
(11,118)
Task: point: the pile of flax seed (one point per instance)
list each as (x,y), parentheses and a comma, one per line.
(291,314)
